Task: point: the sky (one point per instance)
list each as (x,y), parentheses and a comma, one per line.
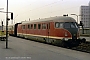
(24,10)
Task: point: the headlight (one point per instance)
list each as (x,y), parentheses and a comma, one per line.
(66,39)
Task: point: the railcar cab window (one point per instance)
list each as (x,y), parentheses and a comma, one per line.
(59,24)
(39,26)
(70,25)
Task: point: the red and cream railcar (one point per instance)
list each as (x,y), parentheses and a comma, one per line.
(55,30)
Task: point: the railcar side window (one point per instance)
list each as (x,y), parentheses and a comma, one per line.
(23,26)
(34,26)
(31,26)
(57,24)
(44,26)
(28,26)
(61,25)
(39,26)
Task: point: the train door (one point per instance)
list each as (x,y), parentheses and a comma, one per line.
(48,32)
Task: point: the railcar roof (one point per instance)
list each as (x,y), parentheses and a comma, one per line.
(57,18)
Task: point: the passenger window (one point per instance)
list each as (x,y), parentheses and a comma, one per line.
(31,26)
(34,26)
(44,26)
(23,26)
(39,26)
(61,25)
(57,24)
(28,26)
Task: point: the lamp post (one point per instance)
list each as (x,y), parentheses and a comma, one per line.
(14,19)
(7,23)
(81,24)
(77,16)
(7,26)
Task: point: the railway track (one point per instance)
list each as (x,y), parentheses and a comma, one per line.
(83,47)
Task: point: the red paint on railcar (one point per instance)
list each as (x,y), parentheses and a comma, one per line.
(55,32)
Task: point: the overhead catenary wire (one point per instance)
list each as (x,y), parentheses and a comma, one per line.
(42,7)
(47,5)
(56,11)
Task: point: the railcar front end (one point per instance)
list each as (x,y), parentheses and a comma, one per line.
(70,33)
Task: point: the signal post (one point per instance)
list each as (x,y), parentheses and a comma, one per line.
(7,19)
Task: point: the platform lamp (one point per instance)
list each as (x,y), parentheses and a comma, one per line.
(76,15)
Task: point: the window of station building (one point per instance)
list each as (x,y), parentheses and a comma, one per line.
(44,26)
(35,26)
(31,26)
(23,26)
(28,26)
(82,18)
(39,26)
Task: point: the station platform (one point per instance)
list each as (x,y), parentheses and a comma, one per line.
(22,49)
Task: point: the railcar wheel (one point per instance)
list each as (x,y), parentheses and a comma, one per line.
(52,42)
